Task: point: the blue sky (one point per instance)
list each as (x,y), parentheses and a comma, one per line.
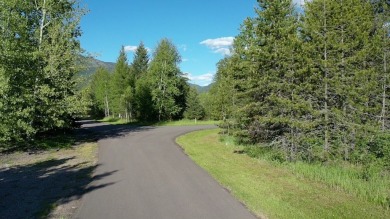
(202,30)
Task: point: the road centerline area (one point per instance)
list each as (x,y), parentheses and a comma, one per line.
(152,178)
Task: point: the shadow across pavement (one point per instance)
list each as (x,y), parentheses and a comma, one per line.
(32,191)
(93,131)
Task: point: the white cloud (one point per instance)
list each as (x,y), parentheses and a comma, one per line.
(130,48)
(203,80)
(183,47)
(133,48)
(223,51)
(219,45)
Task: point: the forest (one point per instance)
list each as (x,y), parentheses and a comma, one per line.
(308,85)
(146,89)
(41,61)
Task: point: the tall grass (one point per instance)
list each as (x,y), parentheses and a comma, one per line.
(350,178)
(370,183)
(279,190)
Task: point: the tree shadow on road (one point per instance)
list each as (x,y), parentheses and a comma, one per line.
(28,191)
(93,131)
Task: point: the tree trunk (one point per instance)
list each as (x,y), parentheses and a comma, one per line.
(107,108)
(383,116)
(326,110)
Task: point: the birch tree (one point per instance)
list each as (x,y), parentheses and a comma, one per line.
(38,58)
(165,78)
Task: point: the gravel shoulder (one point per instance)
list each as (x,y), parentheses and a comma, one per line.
(45,184)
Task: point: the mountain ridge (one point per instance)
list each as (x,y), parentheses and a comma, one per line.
(91,64)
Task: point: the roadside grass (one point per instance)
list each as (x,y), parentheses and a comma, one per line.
(272,190)
(183,122)
(375,188)
(371,182)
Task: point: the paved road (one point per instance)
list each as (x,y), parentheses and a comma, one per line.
(149,177)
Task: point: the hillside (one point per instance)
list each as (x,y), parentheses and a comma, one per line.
(201,89)
(90,65)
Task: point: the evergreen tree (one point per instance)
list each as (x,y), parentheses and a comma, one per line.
(344,91)
(267,77)
(139,68)
(381,44)
(223,92)
(120,80)
(194,109)
(140,61)
(144,100)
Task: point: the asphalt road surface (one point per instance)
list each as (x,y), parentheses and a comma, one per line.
(143,174)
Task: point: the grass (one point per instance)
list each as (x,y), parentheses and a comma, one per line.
(349,178)
(183,122)
(270,190)
(371,182)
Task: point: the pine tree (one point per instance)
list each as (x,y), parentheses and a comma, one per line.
(120,80)
(267,77)
(139,68)
(339,36)
(223,92)
(144,100)
(381,46)
(194,110)
(140,61)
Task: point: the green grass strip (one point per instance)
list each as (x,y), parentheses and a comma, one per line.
(269,190)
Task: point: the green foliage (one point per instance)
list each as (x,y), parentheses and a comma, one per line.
(223,91)
(144,102)
(310,86)
(121,78)
(166,81)
(194,108)
(139,66)
(38,58)
(146,91)
(101,93)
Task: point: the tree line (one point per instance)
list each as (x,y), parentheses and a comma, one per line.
(40,62)
(310,86)
(146,89)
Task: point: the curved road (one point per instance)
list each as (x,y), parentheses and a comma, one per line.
(144,174)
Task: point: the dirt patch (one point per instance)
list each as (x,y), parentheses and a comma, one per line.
(46,184)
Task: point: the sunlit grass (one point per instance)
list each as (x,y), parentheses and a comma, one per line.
(376,188)
(274,191)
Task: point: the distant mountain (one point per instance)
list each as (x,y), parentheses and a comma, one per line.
(90,65)
(201,89)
